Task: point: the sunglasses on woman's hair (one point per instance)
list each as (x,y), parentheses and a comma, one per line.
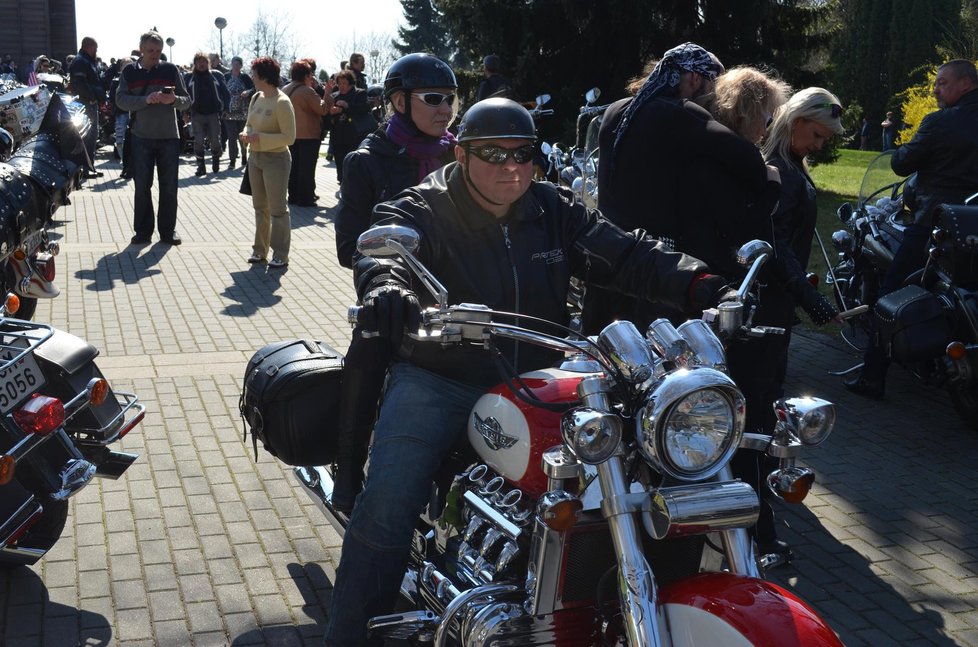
(435,99)
(836,109)
(498,155)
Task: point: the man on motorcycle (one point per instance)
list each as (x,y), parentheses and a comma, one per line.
(944,155)
(497,238)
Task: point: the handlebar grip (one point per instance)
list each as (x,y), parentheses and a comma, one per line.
(874,230)
(852,312)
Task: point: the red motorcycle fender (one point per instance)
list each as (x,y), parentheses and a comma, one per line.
(725,609)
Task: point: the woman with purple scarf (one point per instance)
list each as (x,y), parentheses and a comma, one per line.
(420,90)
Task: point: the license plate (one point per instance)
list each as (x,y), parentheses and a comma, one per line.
(19,380)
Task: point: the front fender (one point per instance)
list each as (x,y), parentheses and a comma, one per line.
(731,610)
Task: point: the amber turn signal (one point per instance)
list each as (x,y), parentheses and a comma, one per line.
(12,303)
(98,389)
(559,510)
(956,351)
(7,467)
(19,254)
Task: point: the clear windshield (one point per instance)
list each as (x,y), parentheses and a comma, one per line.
(591,141)
(880,180)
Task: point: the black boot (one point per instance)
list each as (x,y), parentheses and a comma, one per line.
(244,157)
(201,167)
(216,163)
(233,162)
(359,395)
(871,380)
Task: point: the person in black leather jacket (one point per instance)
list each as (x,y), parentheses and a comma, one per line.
(414,142)
(944,155)
(801,127)
(493,237)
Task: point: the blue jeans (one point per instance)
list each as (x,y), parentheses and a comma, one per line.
(164,156)
(422,417)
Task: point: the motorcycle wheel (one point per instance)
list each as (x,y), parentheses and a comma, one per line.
(965,400)
(45,533)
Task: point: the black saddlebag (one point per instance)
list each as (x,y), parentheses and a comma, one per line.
(913,325)
(15,194)
(958,244)
(290,401)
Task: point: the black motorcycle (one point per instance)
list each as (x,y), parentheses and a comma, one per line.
(42,155)
(930,325)
(58,418)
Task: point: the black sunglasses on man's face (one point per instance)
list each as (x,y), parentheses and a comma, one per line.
(493,154)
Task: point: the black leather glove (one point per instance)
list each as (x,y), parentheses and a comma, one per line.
(388,309)
(707,290)
(818,308)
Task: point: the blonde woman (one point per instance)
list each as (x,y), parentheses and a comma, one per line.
(269,131)
(745,101)
(800,127)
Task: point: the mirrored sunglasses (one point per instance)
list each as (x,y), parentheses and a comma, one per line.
(435,99)
(836,109)
(498,155)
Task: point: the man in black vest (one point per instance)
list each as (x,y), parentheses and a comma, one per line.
(86,82)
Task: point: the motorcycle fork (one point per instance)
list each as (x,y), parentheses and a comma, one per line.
(738,547)
(636,586)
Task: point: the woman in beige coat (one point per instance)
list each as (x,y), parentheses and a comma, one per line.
(269,131)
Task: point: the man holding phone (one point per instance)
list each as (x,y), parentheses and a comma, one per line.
(152,92)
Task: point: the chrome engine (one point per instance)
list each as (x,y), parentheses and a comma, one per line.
(486,571)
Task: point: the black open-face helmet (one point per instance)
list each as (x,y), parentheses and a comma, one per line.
(414,71)
(496,118)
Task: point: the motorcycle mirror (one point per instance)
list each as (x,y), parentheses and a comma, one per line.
(542,99)
(545,148)
(751,251)
(375,242)
(844,212)
(592,95)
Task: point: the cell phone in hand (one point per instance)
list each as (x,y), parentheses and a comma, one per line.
(168,89)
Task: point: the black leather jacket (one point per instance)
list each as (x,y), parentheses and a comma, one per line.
(521,263)
(944,154)
(377,171)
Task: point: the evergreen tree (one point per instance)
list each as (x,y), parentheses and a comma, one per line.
(424,31)
(564,47)
(884,46)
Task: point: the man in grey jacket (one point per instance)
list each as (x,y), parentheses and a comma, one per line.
(152,92)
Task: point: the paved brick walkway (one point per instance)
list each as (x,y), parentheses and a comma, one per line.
(198,545)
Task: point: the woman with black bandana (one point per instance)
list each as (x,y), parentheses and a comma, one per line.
(420,89)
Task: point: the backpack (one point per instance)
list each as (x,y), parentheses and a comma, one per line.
(290,400)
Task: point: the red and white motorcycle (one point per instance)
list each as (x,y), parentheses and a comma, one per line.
(596,486)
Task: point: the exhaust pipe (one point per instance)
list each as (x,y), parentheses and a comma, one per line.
(317,482)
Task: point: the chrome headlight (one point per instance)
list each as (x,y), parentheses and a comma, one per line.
(811,419)
(692,423)
(591,435)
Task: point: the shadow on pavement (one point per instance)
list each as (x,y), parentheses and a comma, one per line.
(886,538)
(127,266)
(29,617)
(314,587)
(252,289)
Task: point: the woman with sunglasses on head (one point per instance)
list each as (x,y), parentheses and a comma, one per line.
(420,90)
(800,128)
(350,107)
